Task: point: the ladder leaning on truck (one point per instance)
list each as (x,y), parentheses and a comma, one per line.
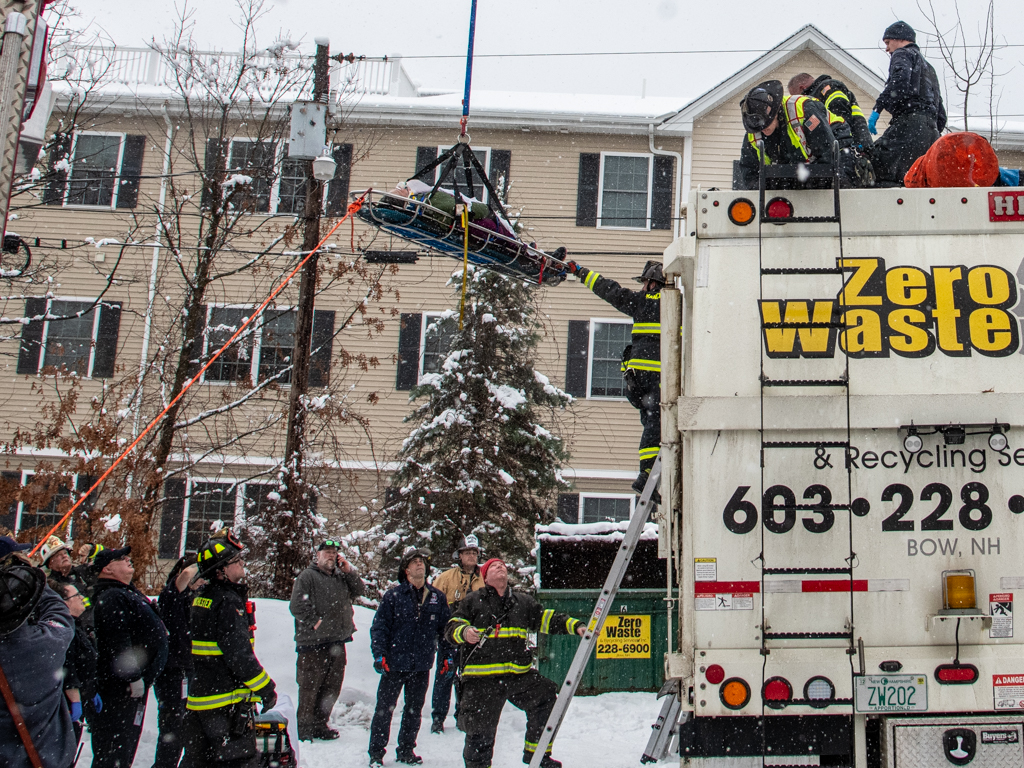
(850,533)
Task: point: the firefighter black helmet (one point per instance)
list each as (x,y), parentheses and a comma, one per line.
(410,555)
(652,271)
(761,105)
(222,547)
(21,586)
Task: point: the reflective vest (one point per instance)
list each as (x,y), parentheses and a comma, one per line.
(794,107)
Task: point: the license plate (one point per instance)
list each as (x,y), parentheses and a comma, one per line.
(891,693)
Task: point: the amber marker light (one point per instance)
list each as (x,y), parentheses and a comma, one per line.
(741,211)
(958,591)
(735,693)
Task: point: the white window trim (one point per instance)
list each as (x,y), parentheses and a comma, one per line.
(71,168)
(26,475)
(280,155)
(95,331)
(486,164)
(584,496)
(428,317)
(257,342)
(590,356)
(650,190)
(189,484)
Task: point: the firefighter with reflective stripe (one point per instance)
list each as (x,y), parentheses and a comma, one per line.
(492,625)
(642,369)
(227,678)
(809,135)
(839,100)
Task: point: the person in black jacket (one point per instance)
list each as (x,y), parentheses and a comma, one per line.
(132,645)
(492,624)
(403,638)
(80,662)
(227,678)
(913,97)
(838,99)
(171,687)
(642,369)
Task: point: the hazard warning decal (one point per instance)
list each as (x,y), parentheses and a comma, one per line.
(1008,691)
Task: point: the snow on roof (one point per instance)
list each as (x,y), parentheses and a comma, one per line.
(591,531)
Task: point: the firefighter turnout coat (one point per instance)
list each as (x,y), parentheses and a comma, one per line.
(504,622)
(643,307)
(225,668)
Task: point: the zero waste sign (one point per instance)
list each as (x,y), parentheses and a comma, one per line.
(625,637)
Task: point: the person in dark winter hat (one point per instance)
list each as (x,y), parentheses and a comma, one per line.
(502,669)
(403,638)
(641,368)
(321,603)
(171,687)
(456,583)
(80,662)
(31,656)
(132,644)
(9,545)
(913,96)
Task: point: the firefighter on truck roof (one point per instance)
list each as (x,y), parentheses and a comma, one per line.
(227,679)
(491,625)
(642,366)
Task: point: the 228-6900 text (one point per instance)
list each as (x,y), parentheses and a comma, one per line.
(779,508)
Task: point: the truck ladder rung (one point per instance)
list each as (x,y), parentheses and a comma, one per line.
(817,704)
(786,765)
(809,571)
(801,271)
(766,382)
(816,507)
(800,219)
(772,326)
(805,444)
(808,635)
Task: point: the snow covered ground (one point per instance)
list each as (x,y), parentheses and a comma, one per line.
(607,730)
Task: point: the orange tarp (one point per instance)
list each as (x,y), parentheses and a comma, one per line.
(955,160)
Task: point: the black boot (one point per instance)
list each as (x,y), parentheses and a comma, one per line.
(437,726)
(546,762)
(409,758)
(641,481)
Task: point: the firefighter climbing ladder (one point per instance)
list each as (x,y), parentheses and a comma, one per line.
(604,602)
(803,373)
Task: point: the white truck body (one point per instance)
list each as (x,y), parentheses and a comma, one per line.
(932,286)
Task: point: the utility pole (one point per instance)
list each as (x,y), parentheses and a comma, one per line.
(296,498)
(19,27)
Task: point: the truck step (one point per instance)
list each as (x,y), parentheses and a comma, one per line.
(801,271)
(805,444)
(766,382)
(808,571)
(772,326)
(808,635)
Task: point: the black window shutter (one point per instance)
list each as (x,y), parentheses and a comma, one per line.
(58,181)
(577,358)
(31,338)
(424,157)
(12,482)
(662,192)
(131,171)
(408,351)
(569,507)
(106,340)
(195,355)
(501,165)
(322,345)
(214,161)
(172,517)
(586,190)
(337,191)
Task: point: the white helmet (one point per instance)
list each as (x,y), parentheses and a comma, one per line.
(468,542)
(51,547)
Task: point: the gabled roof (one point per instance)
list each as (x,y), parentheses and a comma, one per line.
(807,38)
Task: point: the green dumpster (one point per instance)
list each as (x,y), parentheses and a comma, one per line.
(631,651)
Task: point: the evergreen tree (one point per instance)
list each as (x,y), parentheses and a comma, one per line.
(480,459)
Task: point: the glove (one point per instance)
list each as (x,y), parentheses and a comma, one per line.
(137,688)
(447,667)
(76,710)
(97,703)
(572,267)
(269,698)
(380,664)
(872,122)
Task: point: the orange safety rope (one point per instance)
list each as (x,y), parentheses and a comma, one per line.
(352,208)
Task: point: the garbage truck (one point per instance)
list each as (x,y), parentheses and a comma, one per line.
(843,476)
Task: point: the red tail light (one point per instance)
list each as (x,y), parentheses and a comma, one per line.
(714,674)
(956,674)
(779,208)
(777,692)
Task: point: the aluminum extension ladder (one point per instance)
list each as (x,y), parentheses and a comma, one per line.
(597,618)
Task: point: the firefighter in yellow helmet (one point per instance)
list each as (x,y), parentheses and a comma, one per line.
(227,679)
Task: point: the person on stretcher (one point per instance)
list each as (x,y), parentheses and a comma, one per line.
(444,200)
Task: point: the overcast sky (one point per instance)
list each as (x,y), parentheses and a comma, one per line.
(708,39)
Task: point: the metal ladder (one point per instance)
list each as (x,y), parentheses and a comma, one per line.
(604,602)
(775,453)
